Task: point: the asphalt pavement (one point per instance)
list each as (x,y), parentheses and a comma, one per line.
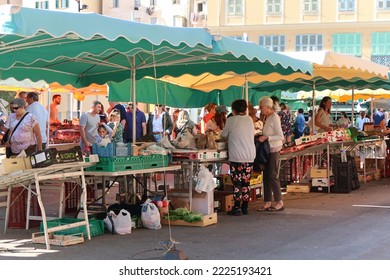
(313,226)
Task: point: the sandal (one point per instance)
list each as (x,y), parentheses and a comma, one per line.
(264,209)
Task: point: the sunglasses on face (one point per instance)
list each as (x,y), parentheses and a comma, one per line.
(158,105)
(15,108)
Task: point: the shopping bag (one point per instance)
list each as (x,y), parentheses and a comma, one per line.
(205,180)
(150,216)
(120,224)
(211,143)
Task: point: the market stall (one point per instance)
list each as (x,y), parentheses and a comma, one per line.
(312,160)
(27,177)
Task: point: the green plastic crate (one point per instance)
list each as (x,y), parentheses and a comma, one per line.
(96,227)
(155,160)
(117,164)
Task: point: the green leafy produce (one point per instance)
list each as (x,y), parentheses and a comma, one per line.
(193,218)
(183,214)
(353,133)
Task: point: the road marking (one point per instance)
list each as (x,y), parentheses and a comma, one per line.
(372,206)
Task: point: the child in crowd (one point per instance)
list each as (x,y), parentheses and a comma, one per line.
(102,134)
(116,126)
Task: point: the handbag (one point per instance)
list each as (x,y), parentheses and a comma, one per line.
(262,155)
(8,151)
(5,137)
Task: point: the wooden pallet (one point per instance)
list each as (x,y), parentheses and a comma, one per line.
(206,221)
(58,240)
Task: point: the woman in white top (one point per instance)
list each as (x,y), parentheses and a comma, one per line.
(272,132)
(27,135)
(323,120)
(239,131)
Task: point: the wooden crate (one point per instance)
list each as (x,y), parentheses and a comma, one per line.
(58,240)
(298,188)
(206,221)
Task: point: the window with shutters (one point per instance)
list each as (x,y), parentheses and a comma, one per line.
(62,4)
(42,5)
(380,43)
(383,4)
(276,43)
(348,43)
(274,6)
(235,7)
(308,42)
(310,6)
(346,5)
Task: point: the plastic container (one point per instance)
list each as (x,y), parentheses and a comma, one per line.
(117,164)
(104,152)
(96,227)
(155,160)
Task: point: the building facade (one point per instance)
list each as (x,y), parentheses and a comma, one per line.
(357,27)
(94,6)
(180,13)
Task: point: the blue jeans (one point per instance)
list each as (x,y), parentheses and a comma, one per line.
(158,137)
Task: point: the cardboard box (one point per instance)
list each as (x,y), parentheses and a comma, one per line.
(203,203)
(70,155)
(318,173)
(227,179)
(226,200)
(10,165)
(43,158)
(322,182)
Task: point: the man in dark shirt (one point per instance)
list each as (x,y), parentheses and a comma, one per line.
(378,116)
(140,123)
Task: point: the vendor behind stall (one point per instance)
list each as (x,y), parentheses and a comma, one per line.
(360,120)
(140,123)
(159,123)
(56,100)
(88,121)
(323,119)
(218,121)
(184,123)
(39,111)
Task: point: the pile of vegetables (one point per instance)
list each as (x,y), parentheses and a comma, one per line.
(183,214)
(353,133)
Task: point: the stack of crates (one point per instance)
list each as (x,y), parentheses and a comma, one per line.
(345,173)
(286,175)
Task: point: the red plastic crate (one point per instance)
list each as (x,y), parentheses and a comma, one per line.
(17,211)
(73,194)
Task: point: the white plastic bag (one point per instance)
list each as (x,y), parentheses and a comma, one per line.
(205,181)
(120,223)
(150,216)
